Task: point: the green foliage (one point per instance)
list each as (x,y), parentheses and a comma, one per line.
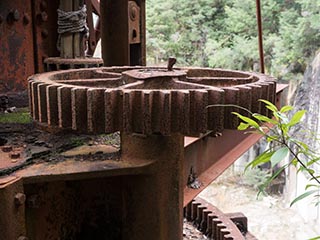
(286,150)
(21,116)
(256,177)
(223,33)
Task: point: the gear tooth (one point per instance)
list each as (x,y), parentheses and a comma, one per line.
(193,108)
(264,95)
(146,118)
(64,107)
(35,100)
(216,113)
(42,102)
(256,95)
(137,111)
(232,96)
(79,109)
(127,112)
(30,95)
(113,110)
(95,104)
(52,105)
(165,113)
(245,99)
(175,111)
(201,111)
(185,113)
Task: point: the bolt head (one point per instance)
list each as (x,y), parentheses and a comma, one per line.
(22,238)
(14,155)
(16,15)
(19,199)
(44,16)
(26,19)
(7,148)
(44,33)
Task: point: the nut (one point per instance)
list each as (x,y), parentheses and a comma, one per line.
(44,16)
(44,33)
(14,155)
(26,19)
(19,199)
(22,238)
(33,201)
(7,148)
(43,5)
(16,15)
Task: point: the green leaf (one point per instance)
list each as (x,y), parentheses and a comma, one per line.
(261,189)
(311,185)
(247,120)
(243,126)
(296,118)
(286,108)
(302,196)
(263,118)
(315,238)
(278,156)
(262,158)
(269,105)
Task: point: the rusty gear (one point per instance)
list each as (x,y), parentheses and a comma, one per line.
(146,100)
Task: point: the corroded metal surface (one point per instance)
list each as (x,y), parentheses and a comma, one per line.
(211,221)
(17,57)
(57,63)
(146,100)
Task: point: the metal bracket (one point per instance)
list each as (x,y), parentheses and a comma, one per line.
(134,22)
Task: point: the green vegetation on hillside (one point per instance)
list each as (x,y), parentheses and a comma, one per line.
(223,33)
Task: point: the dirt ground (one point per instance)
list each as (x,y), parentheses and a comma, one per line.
(268,218)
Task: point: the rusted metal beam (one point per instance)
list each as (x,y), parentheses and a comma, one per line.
(12,208)
(114,38)
(209,157)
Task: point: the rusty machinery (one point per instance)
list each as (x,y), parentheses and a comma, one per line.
(140,194)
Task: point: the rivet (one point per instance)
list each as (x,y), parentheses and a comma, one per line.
(16,15)
(19,199)
(14,155)
(44,33)
(26,19)
(7,148)
(22,238)
(33,201)
(43,5)
(44,16)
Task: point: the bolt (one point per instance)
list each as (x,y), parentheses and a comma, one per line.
(44,33)
(7,148)
(19,199)
(16,15)
(1,19)
(171,62)
(133,13)
(33,201)
(26,19)
(14,155)
(22,238)
(43,5)
(44,16)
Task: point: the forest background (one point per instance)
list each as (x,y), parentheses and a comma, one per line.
(223,34)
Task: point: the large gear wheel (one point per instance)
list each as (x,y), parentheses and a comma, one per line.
(146,100)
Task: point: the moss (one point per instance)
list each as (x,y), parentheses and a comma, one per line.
(21,116)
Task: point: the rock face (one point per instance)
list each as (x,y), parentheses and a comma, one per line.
(308,98)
